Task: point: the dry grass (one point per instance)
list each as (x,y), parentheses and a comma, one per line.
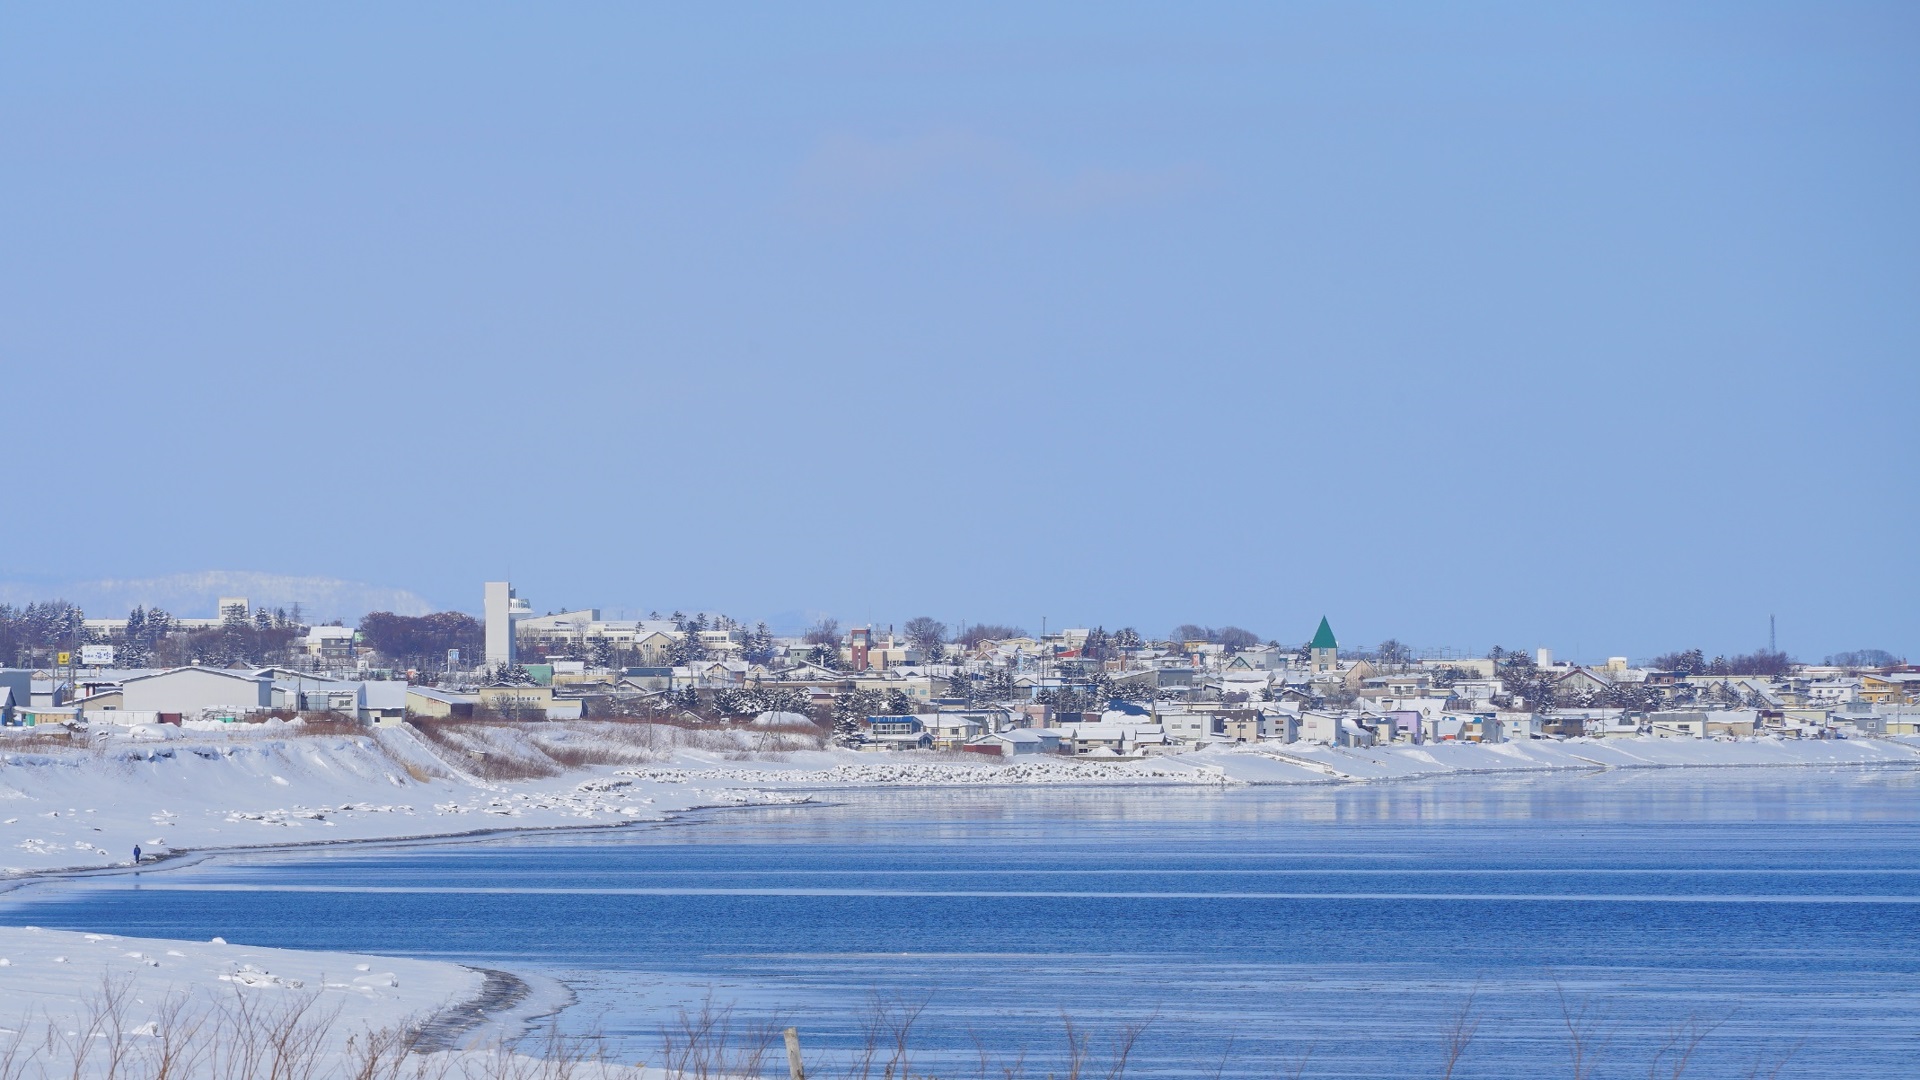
(293,1035)
(508,750)
(464,744)
(26,738)
(281,1035)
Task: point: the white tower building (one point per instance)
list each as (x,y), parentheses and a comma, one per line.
(503,609)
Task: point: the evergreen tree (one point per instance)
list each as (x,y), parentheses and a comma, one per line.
(600,651)
(136,647)
(688,648)
(852,707)
(785,699)
(1097,646)
(759,645)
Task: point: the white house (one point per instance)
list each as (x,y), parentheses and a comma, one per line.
(1319,727)
(1192,728)
(1681,725)
(1511,727)
(954,729)
(1021,742)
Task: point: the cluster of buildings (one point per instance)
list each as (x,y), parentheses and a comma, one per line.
(1080,692)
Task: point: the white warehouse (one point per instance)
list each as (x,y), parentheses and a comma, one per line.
(196,689)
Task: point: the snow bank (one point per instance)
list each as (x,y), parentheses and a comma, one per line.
(99,1005)
(89,807)
(1401,761)
(923,773)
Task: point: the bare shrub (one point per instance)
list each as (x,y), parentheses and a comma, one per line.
(252,1039)
(382,1053)
(1586,1041)
(704,1045)
(466,745)
(1080,1049)
(179,1047)
(1459,1037)
(15,1055)
(98,1043)
(36,739)
(1672,1058)
(557,1056)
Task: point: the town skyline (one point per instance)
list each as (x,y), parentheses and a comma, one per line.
(197,596)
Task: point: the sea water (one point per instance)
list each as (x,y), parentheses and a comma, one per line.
(1343,928)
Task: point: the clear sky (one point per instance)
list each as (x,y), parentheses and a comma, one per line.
(1587,326)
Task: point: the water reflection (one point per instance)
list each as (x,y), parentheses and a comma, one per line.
(1353,919)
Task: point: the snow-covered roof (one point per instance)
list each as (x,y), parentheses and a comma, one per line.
(386,694)
(447,697)
(243,676)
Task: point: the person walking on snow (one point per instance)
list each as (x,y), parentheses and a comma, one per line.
(136,854)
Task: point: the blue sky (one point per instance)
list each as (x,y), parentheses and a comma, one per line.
(1583,326)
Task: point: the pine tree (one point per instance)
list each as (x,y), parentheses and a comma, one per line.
(1097,644)
(852,707)
(759,645)
(600,650)
(136,646)
(688,648)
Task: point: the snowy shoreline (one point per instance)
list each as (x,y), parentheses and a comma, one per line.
(203,797)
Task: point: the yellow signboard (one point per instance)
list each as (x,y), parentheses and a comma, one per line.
(66,658)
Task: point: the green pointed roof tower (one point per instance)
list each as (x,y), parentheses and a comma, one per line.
(1323,637)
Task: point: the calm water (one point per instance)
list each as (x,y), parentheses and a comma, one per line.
(1256,925)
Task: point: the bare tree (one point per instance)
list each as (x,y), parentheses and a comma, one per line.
(925,632)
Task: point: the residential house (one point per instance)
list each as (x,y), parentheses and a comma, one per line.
(952,730)
(1018,742)
(895,732)
(331,645)
(1678,724)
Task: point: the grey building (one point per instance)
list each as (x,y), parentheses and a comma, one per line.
(197,689)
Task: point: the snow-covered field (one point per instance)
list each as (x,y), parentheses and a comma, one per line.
(172,791)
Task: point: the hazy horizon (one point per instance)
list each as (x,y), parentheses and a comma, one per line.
(1465,325)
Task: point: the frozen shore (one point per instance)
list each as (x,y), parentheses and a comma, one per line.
(171,792)
(87,1005)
